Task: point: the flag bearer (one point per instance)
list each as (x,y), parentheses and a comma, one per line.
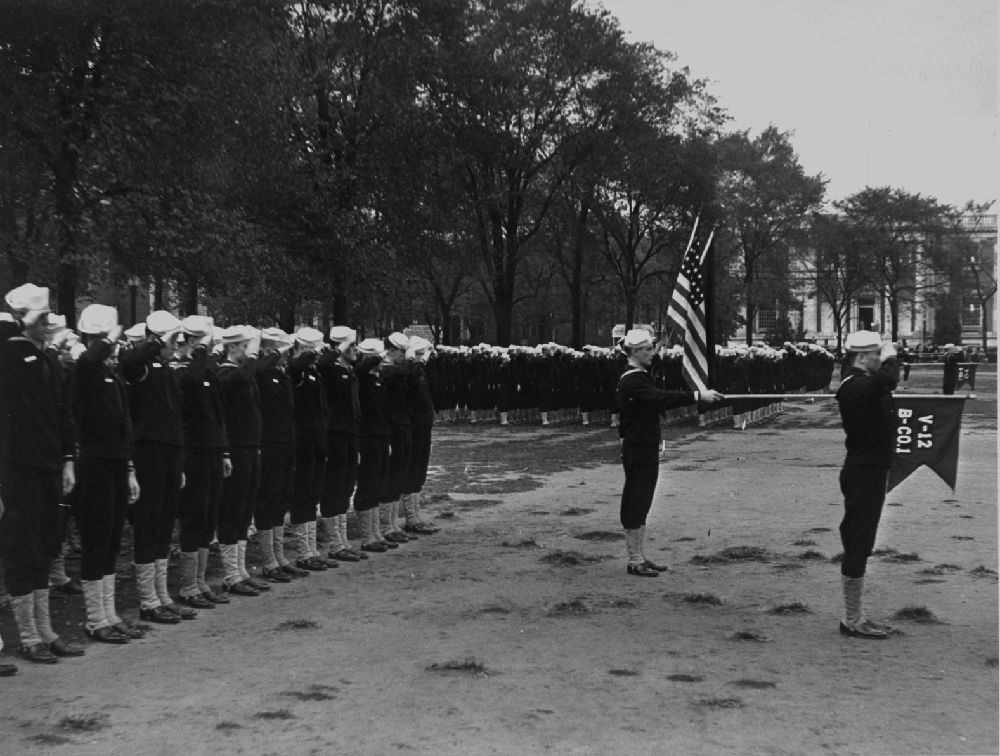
(640,403)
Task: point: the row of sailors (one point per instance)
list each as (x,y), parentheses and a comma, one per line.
(214,430)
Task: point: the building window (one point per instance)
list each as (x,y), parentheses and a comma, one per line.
(766,319)
(866,314)
(972,314)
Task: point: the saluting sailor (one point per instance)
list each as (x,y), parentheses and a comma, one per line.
(640,403)
(36,468)
(867,415)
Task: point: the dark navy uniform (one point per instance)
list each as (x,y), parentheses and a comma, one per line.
(640,403)
(867,415)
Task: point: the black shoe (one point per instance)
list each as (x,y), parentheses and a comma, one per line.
(241,589)
(277,575)
(129,631)
(396,537)
(107,635)
(181,611)
(389,544)
(345,555)
(197,601)
(421,528)
(215,598)
(7,670)
(863,629)
(39,653)
(257,584)
(159,614)
(642,570)
(59,647)
(292,571)
(310,564)
(70,588)
(376,546)
(655,566)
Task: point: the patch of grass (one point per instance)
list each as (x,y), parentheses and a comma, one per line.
(811,556)
(228,726)
(274,714)
(684,539)
(601,535)
(467,666)
(734,554)
(446,515)
(571,558)
(837,558)
(940,569)
(819,530)
(708,599)
(754,684)
(85,724)
(992,661)
(927,581)
(575,607)
(784,610)
(494,609)
(313,693)
(746,554)
(623,672)
(755,636)
(983,571)
(524,543)
(902,558)
(805,542)
(623,603)
(680,677)
(962,538)
(469,505)
(575,511)
(918,614)
(297,624)
(720,703)
(48,739)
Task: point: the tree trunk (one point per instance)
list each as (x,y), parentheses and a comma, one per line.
(67,212)
(191,296)
(576,293)
(286,315)
(158,293)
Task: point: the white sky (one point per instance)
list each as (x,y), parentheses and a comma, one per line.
(878,92)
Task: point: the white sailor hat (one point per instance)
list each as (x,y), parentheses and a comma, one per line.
(397,340)
(309,337)
(198,325)
(863,341)
(97,318)
(419,344)
(235,334)
(637,337)
(162,323)
(343,335)
(372,347)
(28,298)
(136,332)
(278,337)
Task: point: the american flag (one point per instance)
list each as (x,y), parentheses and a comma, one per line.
(687,312)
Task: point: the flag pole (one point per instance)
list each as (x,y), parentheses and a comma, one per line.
(708,266)
(834,396)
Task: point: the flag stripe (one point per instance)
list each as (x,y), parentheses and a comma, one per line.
(687,313)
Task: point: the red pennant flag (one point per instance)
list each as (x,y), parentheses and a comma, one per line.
(927,431)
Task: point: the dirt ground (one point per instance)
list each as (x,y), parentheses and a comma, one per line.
(516,630)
